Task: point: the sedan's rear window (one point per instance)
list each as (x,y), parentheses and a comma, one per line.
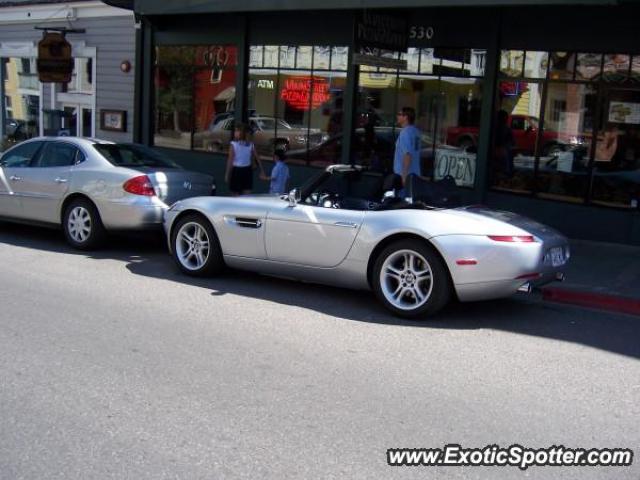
(131,155)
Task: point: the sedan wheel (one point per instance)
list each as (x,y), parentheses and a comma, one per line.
(195,246)
(82,226)
(410,279)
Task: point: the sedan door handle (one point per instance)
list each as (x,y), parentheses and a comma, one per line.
(346,224)
(15,178)
(61,180)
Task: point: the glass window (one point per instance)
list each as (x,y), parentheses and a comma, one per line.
(56,154)
(635,68)
(321,58)
(297,105)
(20,156)
(535,65)
(133,155)
(562,65)
(374,138)
(616,67)
(287,57)
(214,96)
(447,105)
(616,176)
(511,63)
(515,135)
(82,77)
(589,66)
(564,160)
(326,118)
(22,100)
(304,57)
(195,90)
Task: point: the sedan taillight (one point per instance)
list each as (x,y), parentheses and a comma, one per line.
(512,238)
(140,185)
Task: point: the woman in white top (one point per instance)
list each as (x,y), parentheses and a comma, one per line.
(239,173)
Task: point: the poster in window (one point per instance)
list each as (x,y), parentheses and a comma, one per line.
(624,112)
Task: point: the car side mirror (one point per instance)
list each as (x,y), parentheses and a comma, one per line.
(294,197)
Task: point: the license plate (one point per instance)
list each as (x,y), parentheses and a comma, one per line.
(557,256)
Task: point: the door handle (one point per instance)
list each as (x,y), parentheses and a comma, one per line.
(61,180)
(15,178)
(346,224)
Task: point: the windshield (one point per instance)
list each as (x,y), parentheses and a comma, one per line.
(133,155)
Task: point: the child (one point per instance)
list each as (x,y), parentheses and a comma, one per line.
(280,174)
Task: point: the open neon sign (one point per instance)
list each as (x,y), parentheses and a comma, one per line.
(305,93)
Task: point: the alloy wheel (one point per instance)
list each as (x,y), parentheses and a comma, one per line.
(406,280)
(192,246)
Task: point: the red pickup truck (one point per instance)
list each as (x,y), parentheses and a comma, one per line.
(524,129)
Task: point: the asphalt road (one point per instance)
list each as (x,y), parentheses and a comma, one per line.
(113,365)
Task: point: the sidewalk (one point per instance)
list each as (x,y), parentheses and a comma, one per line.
(600,275)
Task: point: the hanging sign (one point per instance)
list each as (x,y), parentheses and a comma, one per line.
(304,93)
(55,63)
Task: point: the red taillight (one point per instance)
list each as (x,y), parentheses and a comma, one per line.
(140,185)
(512,238)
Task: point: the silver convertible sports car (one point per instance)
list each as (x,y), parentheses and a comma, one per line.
(348,228)
(89,186)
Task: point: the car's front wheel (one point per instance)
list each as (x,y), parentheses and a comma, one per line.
(195,246)
(82,225)
(410,279)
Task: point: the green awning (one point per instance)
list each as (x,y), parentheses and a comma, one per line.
(167,7)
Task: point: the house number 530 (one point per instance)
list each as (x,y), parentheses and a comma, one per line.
(420,32)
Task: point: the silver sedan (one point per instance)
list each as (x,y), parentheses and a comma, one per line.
(89,186)
(348,228)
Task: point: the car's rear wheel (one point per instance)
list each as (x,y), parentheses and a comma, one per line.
(195,246)
(410,279)
(82,225)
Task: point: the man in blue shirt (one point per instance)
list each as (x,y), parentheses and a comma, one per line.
(406,160)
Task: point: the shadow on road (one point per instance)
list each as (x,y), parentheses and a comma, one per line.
(146,255)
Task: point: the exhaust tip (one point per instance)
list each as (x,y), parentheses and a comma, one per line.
(559,276)
(525,288)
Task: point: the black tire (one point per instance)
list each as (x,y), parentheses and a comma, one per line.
(74,218)
(213,263)
(440,289)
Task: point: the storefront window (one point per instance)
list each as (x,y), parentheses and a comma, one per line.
(296,104)
(587,146)
(515,134)
(439,85)
(195,92)
(21,99)
(616,176)
(563,170)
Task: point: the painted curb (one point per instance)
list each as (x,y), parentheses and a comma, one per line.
(601,301)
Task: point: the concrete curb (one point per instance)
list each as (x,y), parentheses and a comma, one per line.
(601,301)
